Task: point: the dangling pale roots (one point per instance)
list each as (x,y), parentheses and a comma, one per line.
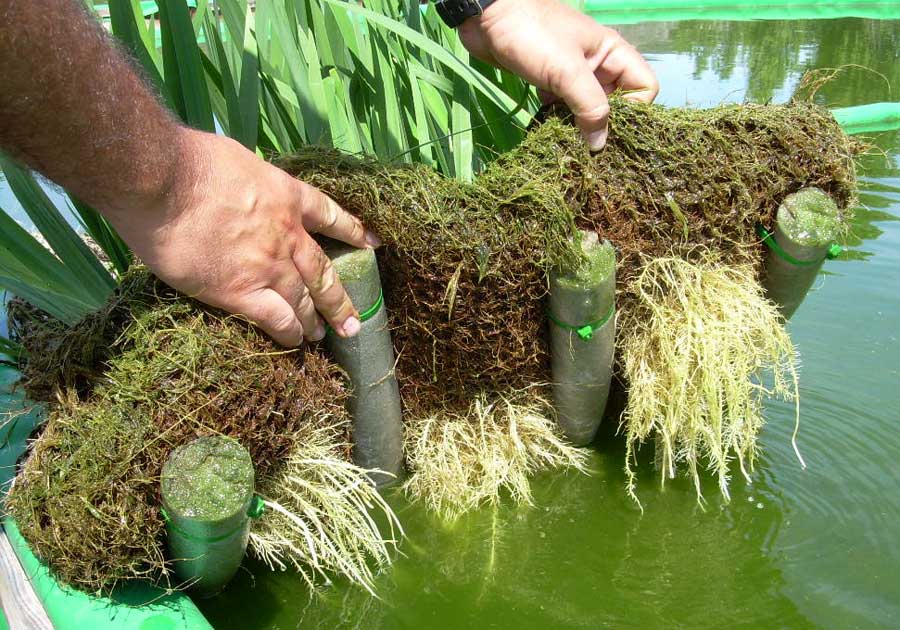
(459,462)
(318,517)
(695,349)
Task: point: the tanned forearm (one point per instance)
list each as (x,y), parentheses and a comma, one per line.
(205,214)
(73,108)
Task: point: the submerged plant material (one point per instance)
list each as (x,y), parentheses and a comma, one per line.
(695,350)
(320,510)
(460,462)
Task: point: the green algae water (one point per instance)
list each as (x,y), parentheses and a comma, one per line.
(814,548)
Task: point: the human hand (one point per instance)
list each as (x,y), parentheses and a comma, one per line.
(234,232)
(564,53)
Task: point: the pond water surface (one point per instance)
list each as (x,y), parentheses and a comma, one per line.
(797,548)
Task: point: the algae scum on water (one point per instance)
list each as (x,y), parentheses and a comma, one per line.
(465,269)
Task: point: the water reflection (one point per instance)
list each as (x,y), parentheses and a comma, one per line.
(768,55)
(878,197)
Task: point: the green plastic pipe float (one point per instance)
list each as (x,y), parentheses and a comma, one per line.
(368,359)
(582,339)
(207,493)
(806,226)
(870,118)
(629,12)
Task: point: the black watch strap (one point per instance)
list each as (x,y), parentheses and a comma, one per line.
(455,12)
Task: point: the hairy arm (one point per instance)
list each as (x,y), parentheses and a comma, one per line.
(209,217)
(72,108)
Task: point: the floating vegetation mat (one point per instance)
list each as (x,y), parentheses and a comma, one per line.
(464,267)
(87,498)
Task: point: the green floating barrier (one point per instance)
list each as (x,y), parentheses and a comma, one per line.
(870,118)
(148,7)
(137,606)
(582,340)
(649,5)
(628,12)
(18,418)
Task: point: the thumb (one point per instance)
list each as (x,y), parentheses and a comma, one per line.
(584,95)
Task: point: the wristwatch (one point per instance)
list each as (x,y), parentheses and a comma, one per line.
(455,12)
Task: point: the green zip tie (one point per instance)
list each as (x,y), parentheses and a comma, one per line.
(255,510)
(834,250)
(367,314)
(257,507)
(585,331)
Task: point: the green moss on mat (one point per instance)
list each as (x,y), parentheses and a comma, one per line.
(87,499)
(599,262)
(465,265)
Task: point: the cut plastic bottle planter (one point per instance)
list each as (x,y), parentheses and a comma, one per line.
(582,339)
(806,227)
(368,359)
(207,493)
